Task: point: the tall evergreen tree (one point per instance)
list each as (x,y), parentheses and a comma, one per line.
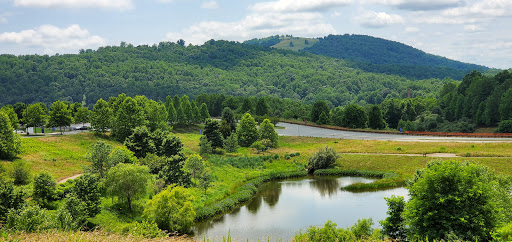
(187,109)
(261,107)
(246,131)
(318,108)
(267,131)
(10,143)
(212,133)
(204,112)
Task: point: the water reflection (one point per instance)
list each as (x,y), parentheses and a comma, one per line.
(326,186)
(281,208)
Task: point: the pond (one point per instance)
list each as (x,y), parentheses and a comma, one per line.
(280,208)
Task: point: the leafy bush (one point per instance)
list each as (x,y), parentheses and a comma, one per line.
(20,173)
(205,146)
(10,197)
(28,218)
(171,210)
(231,143)
(394,226)
(322,159)
(504,127)
(44,188)
(147,230)
(361,230)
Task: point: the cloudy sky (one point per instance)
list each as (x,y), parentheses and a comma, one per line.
(475,31)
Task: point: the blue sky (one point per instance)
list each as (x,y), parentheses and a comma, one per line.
(475,31)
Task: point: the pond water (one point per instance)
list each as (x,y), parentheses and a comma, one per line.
(280,208)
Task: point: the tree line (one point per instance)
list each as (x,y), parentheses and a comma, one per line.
(172,69)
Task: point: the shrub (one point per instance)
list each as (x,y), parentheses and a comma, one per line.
(205,146)
(28,218)
(20,173)
(451,198)
(322,159)
(258,146)
(44,188)
(504,127)
(171,210)
(394,226)
(231,143)
(9,198)
(147,230)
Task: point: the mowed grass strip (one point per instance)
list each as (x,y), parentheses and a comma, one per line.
(308,145)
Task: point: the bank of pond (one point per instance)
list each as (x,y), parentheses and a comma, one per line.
(282,207)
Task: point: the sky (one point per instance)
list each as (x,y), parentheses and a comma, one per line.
(473,31)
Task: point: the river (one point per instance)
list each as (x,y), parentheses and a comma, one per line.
(281,208)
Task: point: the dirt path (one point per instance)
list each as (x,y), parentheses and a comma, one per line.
(68,178)
(425,155)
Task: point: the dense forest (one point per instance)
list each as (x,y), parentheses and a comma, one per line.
(216,67)
(384,56)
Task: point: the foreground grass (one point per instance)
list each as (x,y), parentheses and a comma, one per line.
(94,236)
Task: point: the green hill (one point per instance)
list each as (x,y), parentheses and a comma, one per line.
(384,56)
(220,67)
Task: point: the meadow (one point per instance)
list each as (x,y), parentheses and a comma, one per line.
(236,175)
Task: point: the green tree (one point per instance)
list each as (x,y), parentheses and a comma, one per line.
(9,198)
(60,115)
(75,207)
(324,118)
(187,109)
(452,198)
(504,127)
(127,181)
(156,115)
(99,157)
(394,225)
(172,115)
(87,188)
(375,120)
(261,107)
(229,116)
(323,158)
(35,115)
(13,117)
(336,116)
(171,209)
(195,113)
(171,171)
(128,117)
(204,112)
(246,106)
(10,142)
(205,180)
(205,146)
(140,142)
(318,108)
(354,116)
(212,133)
(44,188)
(194,165)
(505,106)
(246,131)
(101,116)
(267,131)
(82,115)
(231,143)
(20,173)
(181,118)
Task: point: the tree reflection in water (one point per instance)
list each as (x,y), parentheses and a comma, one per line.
(326,186)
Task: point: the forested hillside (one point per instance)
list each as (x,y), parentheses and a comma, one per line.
(216,67)
(384,56)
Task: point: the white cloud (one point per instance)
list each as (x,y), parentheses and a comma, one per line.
(210,5)
(472,28)
(445,20)
(54,39)
(419,5)
(104,4)
(412,29)
(298,5)
(256,25)
(373,19)
(483,8)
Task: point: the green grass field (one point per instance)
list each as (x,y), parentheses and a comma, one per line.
(299,43)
